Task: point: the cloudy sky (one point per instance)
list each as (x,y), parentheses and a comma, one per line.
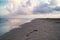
(19,7)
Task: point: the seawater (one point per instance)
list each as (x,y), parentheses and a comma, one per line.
(7,24)
(4,27)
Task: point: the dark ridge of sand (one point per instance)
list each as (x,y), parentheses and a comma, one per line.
(37,29)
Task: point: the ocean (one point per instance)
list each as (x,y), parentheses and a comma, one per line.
(7,24)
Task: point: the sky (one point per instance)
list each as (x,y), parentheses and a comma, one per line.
(19,7)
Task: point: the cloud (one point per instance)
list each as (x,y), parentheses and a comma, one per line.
(57,8)
(46,8)
(43,8)
(27,6)
(23,7)
(38,6)
(3,4)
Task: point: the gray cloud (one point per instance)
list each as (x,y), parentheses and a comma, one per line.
(57,8)
(46,8)
(38,7)
(43,8)
(28,2)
